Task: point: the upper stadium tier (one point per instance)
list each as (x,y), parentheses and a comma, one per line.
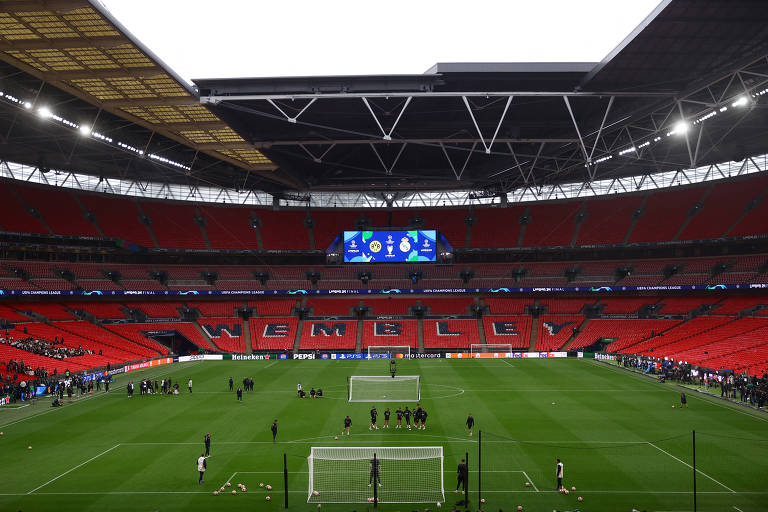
(735,208)
(685,89)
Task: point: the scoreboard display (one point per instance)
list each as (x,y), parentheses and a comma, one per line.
(390,246)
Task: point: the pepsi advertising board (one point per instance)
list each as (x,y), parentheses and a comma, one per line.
(390,246)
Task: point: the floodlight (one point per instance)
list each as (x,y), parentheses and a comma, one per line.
(681,128)
(741,101)
(27,105)
(45,112)
(85,130)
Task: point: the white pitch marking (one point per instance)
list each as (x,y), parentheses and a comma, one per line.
(74,468)
(686,464)
(529,479)
(304,492)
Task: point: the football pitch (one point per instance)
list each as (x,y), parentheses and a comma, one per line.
(622,444)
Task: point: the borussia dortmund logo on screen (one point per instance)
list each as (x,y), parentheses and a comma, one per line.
(375,246)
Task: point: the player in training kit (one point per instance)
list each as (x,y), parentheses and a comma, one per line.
(470,423)
(273,428)
(201,467)
(347,424)
(407,414)
(374,413)
(559,474)
(399,413)
(423,419)
(386,417)
(462,477)
(375,472)
(207,441)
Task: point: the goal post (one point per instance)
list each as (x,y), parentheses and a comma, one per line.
(388,352)
(408,474)
(500,348)
(384,388)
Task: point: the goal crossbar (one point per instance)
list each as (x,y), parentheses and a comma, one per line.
(384,388)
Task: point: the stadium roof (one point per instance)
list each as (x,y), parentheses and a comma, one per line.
(498,126)
(490,127)
(77,47)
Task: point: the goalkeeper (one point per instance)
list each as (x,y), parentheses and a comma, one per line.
(375,472)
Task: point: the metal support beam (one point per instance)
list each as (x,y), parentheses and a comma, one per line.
(498,125)
(387,136)
(218,98)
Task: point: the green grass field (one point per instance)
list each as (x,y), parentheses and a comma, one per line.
(622,443)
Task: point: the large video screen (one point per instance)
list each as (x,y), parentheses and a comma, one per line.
(390,246)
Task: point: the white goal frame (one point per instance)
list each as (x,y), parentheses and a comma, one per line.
(388,453)
(504,348)
(384,378)
(392,349)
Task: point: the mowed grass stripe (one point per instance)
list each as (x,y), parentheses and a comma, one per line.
(600,425)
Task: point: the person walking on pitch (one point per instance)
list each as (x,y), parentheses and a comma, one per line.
(347,424)
(462,477)
(273,428)
(470,423)
(208,444)
(559,474)
(202,465)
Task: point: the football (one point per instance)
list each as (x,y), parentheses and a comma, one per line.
(267,498)
(29,447)
(315,493)
(567,491)
(269,487)
(573,488)
(215,493)
(234,491)
(243,488)
(222,489)
(370,500)
(527,484)
(229,484)
(519,507)
(439,504)
(482,500)
(336,437)
(2,433)
(261,484)
(580,498)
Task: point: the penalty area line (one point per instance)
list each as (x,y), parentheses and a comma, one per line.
(74,468)
(529,479)
(691,467)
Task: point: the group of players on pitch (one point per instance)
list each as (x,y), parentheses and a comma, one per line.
(419,419)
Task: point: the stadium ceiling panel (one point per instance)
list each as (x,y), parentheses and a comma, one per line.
(78,48)
(656,103)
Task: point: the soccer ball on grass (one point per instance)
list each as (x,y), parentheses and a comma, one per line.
(229,484)
(315,493)
(215,493)
(234,491)
(573,488)
(267,498)
(580,498)
(336,438)
(269,487)
(261,484)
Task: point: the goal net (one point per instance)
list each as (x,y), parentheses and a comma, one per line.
(412,474)
(388,352)
(490,348)
(381,388)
